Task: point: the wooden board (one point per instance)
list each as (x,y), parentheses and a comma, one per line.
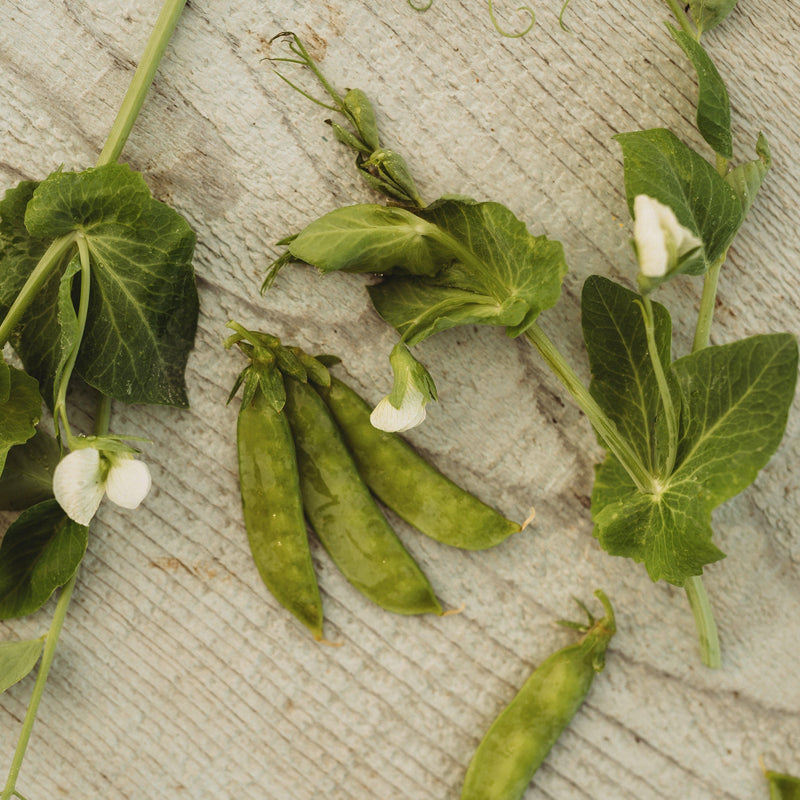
(177,675)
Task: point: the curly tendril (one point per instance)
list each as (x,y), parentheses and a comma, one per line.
(507,34)
(496,24)
(561,16)
(304,60)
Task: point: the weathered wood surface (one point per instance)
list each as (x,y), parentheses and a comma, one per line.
(177,675)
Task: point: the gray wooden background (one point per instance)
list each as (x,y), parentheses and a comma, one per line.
(178,676)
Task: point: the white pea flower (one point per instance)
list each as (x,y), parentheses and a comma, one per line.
(413,388)
(661,241)
(411,413)
(83,476)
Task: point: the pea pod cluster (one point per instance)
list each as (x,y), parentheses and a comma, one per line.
(522,735)
(305,456)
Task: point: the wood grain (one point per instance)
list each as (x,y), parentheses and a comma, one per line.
(177,675)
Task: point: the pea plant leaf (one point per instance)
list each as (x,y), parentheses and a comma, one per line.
(735,399)
(418,308)
(659,165)
(746,179)
(40,551)
(623,380)
(21,410)
(143,302)
(782,786)
(495,255)
(49,331)
(709,13)
(27,478)
(370,238)
(713,106)
(496,273)
(19,251)
(17,659)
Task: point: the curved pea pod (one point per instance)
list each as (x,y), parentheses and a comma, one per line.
(520,738)
(344,514)
(782,787)
(408,484)
(273,510)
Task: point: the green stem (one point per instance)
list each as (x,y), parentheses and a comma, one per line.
(60,408)
(695,590)
(38,688)
(48,263)
(142,78)
(683,19)
(704,622)
(605,427)
(702,332)
(670,415)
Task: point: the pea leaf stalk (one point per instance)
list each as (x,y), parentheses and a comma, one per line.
(520,738)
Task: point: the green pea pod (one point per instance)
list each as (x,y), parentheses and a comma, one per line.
(273,511)
(782,787)
(408,484)
(521,737)
(344,515)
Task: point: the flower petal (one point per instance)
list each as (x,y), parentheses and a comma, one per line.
(128,481)
(660,239)
(78,484)
(411,413)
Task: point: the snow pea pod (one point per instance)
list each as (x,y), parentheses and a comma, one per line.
(520,738)
(408,484)
(273,510)
(344,515)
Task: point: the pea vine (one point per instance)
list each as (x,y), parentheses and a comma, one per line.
(96,284)
(682,435)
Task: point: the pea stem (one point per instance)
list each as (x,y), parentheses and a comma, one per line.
(41,679)
(704,622)
(604,426)
(142,78)
(683,19)
(60,407)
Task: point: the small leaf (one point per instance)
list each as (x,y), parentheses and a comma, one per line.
(782,787)
(17,659)
(623,380)
(40,551)
(143,301)
(713,107)
(659,165)
(418,309)
(49,331)
(19,252)
(708,13)
(736,399)
(746,179)
(495,255)
(28,475)
(370,238)
(669,532)
(21,411)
